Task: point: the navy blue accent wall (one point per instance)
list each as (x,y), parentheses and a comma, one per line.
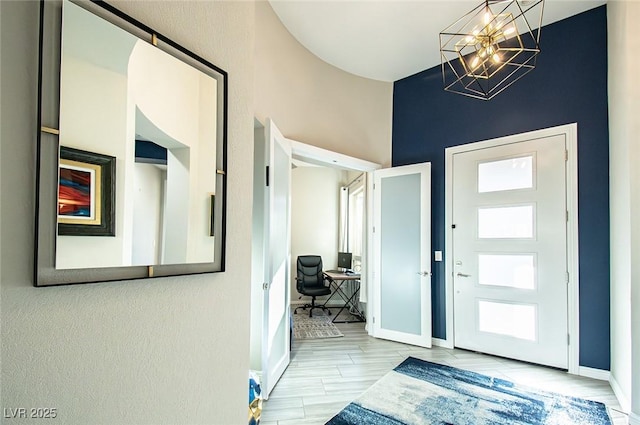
(151,151)
(568,85)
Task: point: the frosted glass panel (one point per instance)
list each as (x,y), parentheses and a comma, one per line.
(277,299)
(516,320)
(400,254)
(506,174)
(278,350)
(514,271)
(279,232)
(506,222)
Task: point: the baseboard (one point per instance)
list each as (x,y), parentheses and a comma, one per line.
(590,372)
(625,403)
(437,342)
(634,419)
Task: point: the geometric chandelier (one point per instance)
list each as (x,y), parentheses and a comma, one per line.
(491,47)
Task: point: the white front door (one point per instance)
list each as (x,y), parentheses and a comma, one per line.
(276,337)
(402,244)
(510,250)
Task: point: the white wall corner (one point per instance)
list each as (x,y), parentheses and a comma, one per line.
(624,401)
(634,419)
(589,372)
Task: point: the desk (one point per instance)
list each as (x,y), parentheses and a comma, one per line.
(350,302)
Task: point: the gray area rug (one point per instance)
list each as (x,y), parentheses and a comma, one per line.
(418,392)
(316,327)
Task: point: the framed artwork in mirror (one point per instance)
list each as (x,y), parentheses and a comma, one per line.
(86,194)
(153,215)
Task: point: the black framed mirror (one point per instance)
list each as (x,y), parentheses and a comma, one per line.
(131,167)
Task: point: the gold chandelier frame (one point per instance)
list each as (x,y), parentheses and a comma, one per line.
(491,47)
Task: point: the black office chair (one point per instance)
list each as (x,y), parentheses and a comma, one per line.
(310,281)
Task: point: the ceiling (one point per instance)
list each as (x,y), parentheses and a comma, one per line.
(390,39)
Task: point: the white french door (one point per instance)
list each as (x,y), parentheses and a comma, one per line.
(401,250)
(276,337)
(510,271)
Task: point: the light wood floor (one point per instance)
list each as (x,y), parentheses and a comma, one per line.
(326,374)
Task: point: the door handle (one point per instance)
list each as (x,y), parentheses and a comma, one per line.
(463,275)
(424,273)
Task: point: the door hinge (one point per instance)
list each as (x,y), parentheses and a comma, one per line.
(567,216)
(373,319)
(568,339)
(267,176)
(374,229)
(567,276)
(265,286)
(566,155)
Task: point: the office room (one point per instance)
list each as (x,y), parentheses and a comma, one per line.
(327,218)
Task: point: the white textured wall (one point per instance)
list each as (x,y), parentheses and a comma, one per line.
(315,212)
(624,108)
(158,351)
(315,103)
(186,121)
(104,106)
(148,192)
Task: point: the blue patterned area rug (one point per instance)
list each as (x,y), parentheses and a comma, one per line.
(420,392)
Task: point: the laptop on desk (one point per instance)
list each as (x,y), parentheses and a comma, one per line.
(344,261)
(344,265)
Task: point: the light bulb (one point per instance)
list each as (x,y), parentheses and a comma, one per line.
(474,62)
(488,16)
(496,58)
(509,30)
(482,53)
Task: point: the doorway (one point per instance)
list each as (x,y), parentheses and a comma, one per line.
(512,247)
(271,264)
(383,270)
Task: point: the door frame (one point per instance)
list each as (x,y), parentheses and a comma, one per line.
(327,158)
(570,132)
(310,154)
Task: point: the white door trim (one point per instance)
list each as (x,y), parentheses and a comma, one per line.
(320,156)
(329,158)
(570,131)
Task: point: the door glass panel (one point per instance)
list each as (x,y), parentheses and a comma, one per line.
(510,270)
(400,297)
(279,233)
(277,351)
(516,320)
(279,244)
(506,174)
(505,222)
(277,297)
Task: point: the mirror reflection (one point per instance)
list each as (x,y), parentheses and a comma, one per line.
(154,117)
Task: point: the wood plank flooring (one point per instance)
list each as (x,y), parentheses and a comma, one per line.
(326,374)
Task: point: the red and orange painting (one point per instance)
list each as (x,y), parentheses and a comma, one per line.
(75,192)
